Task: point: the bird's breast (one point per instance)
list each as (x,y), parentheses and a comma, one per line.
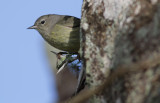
(64,38)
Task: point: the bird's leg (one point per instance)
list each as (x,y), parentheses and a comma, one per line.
(59,54)
(60,58)
(64,57)
(67,59)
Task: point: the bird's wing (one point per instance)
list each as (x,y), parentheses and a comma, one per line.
(69,21)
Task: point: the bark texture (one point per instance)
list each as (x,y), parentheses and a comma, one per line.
(121,32)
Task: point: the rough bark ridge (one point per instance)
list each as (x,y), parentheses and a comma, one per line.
(120,32)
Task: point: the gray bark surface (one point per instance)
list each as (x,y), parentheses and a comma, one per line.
(121,32)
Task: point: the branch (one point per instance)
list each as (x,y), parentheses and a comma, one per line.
(148,63)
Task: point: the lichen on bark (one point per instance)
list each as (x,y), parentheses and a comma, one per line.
(117,33)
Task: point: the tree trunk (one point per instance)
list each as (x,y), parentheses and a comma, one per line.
(116,33)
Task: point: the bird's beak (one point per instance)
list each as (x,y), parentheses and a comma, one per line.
(32,27)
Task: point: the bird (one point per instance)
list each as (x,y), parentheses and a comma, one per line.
(60,31)
(63,33)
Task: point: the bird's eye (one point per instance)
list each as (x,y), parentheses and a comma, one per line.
(42,22)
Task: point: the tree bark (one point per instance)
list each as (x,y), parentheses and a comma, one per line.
(116,33)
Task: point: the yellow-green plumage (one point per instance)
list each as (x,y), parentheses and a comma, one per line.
(65,38)
(62,32)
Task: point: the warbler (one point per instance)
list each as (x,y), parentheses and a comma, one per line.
(60,31)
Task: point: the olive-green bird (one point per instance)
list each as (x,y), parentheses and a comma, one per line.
(60,31)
